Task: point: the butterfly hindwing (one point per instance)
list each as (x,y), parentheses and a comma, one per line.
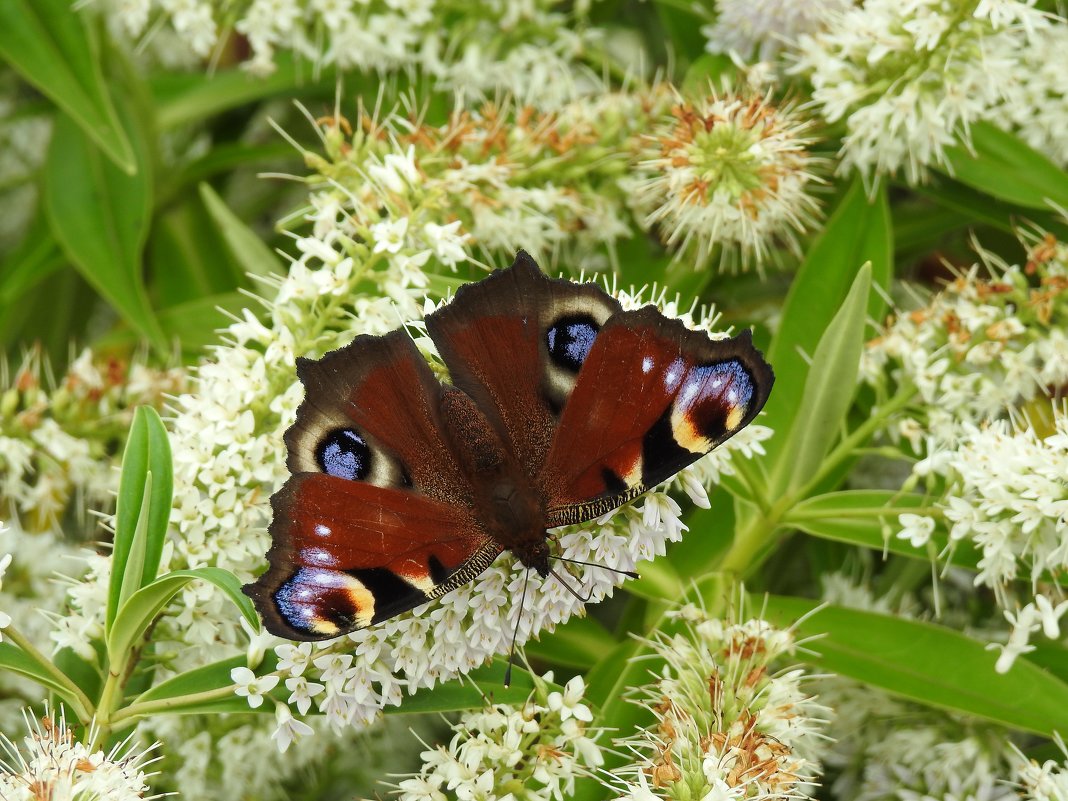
(652,397)
(347,554)
(515,342)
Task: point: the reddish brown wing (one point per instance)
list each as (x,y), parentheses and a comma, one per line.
(514,342)
(378,518)
(651,398)
(347,554)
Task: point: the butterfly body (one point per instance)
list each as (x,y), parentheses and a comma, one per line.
(560,406)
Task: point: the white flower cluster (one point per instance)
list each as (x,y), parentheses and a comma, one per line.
(54,765)
(525,49)
(992,341)
(761,28)
(731,723)
(56,441)
(728,171)
(909,78)
(885,749)
(531,752)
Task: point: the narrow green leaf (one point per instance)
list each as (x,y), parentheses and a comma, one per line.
(826,395)
(194,324)
(100,217)
(127,508)
(18,661)
(161,470)
(247,248)
(137,614)
(931,664)
(184,98)
(1005,167)
(182,694)
(135,557)
(142,510)
(659,581)
(55,49)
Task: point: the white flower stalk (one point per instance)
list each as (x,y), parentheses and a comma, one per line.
(487,181)
(884,749)
(990,344)
(53,765)
(732,723)
(527,49)
(728,174)
(761,28)
(908,79)
(57,438)
(532,752)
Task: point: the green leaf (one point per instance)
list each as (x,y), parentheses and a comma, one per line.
(18,661)
(859,231)
(134,566)
(137,614)
(184,694)
(36,257)
(857,517)
(706,72)
(141,503)
(1005,167)
(827,393)
(195,324)
(249,250)
(472,691)
(187,98)
(930,664)
(578,643)
(100,217)
(55,49)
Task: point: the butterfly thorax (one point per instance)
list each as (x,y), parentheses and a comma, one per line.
(510,505)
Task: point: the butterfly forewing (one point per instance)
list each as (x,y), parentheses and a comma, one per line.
(676,395)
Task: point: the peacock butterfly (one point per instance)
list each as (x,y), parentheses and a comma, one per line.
(561,407)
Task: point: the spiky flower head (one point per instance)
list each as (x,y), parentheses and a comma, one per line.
(53,766)
(732,723)
(730,174)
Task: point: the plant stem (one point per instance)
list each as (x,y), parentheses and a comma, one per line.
(751,540)
(80,702)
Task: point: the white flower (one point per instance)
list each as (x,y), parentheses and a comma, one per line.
(764,26)
(293,659)
(568,704)
(917,529)
(388,236)
(448,245)
(249,685)
(302,692)
(289,728)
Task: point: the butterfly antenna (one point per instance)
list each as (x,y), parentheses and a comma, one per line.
(515,634)
(628,573)
(569,588)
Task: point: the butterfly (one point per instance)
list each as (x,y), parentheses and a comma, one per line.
(560,407)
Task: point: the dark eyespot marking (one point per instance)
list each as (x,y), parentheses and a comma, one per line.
(343,453)
(570,339)
(312,597)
